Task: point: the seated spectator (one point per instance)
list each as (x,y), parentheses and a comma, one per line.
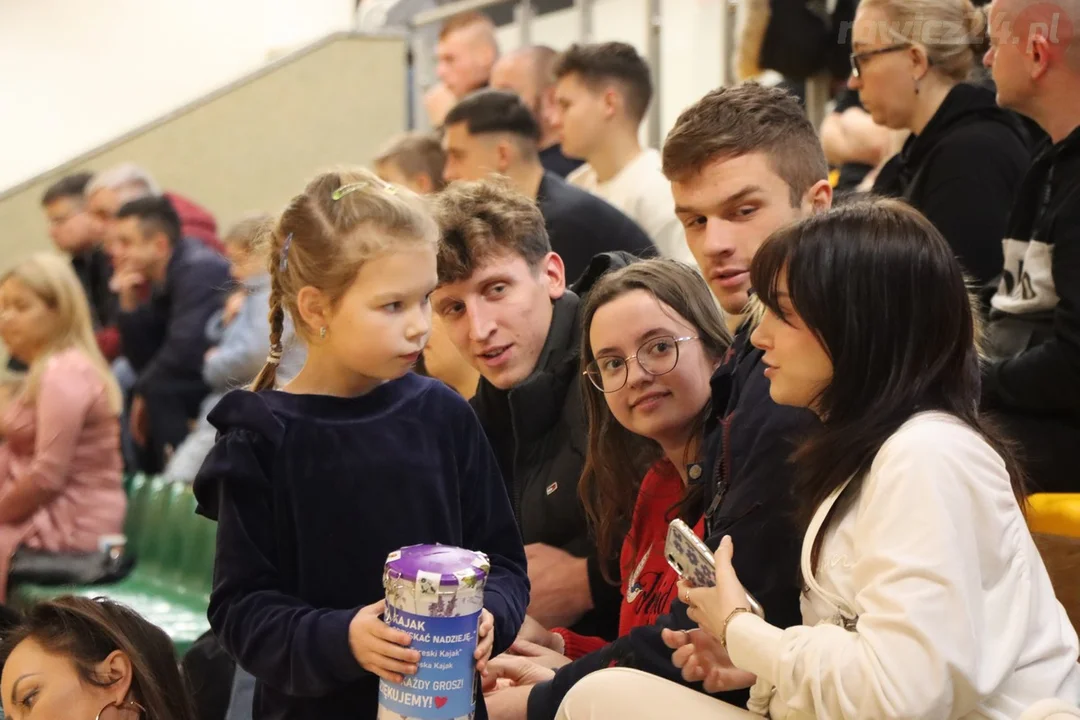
(1032,339)
(74,231)
(466,50)
(651,339)
(502,296)
(964,160)
(164,337)
(60,466)
(493,132)
(528,72)
(925,594)
(238,335)
(603,92)
(414,160)
(77,658)
(111,189)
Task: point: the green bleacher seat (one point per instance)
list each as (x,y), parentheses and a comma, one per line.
(174,550)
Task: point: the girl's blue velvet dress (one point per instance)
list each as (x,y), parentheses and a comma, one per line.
(311,493)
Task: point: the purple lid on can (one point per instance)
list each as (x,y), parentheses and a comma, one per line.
(452,564)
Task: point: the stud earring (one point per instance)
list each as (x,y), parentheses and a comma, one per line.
(322,333)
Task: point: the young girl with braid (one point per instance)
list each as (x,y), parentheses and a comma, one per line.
(313,484)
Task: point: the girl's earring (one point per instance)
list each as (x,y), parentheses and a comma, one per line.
(322,333)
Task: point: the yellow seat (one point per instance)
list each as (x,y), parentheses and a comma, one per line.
(1055,514)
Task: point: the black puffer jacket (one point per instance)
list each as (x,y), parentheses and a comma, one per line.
(540,436)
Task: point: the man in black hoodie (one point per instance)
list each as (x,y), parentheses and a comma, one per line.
(505,305)
(743,162)
(1033,337)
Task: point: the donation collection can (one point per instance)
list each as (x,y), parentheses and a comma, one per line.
(435,594)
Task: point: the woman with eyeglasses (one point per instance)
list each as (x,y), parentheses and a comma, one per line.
(965,157)
(651,340)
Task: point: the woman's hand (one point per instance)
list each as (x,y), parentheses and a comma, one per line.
(536,633)
(711,607)
(508,671)
(539,654)
(703,659)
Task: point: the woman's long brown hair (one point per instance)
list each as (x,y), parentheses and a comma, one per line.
(617,459)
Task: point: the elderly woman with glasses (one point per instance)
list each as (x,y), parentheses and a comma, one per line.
(913,65)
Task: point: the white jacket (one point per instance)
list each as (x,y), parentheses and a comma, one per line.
(930,600)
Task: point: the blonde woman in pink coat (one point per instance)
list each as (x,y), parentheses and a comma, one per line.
(60,463)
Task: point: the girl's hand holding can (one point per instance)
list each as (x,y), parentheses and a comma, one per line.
(379,648)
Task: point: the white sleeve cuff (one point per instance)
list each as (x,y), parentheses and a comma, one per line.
(754,645)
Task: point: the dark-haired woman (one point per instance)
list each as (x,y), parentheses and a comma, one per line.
(81,659)
(925,595)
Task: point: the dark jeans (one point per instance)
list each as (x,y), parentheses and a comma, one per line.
(171,408)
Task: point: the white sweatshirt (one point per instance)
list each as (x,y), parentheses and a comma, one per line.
(933,568)
(642,192)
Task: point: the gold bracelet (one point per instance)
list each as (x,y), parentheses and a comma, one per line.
(723,630)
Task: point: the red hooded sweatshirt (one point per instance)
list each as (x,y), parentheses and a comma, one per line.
(648,582)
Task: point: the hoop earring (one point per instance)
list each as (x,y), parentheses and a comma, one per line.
(129,705)
(322,333)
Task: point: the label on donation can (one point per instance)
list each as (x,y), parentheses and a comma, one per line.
(443,687)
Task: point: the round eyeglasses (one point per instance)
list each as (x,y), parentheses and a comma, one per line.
(657,356)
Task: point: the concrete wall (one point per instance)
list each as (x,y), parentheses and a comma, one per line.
(77,73)
(253,146)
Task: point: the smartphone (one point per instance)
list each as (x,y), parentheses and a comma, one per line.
(693,560)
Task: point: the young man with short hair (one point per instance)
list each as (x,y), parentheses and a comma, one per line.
(1033,337)
(528,72)
(492,132)
(504,302)
(466,50)
(164,338)
(743,162)
(602,92)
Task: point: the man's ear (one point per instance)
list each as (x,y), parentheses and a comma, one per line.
(314,308)
(160,241)
(553,273)
(818,198)
(613,103)
(504,155)
(1041,50)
